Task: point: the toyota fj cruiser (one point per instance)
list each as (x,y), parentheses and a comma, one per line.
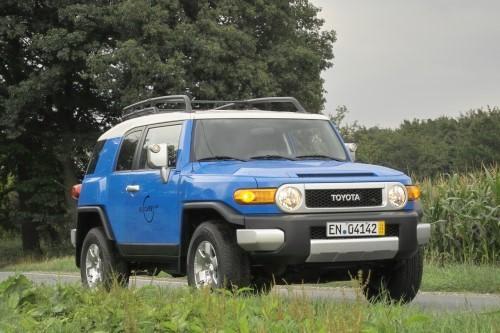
(243,193)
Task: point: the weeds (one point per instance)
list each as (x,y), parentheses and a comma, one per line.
(28,308)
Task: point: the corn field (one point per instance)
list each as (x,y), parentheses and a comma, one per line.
(464,210)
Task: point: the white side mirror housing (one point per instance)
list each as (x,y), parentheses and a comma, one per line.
(157,155)
(351,148)
(162,156)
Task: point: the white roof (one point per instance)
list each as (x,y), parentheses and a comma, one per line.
(120,129)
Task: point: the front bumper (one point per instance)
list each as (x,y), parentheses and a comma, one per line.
(353,249)
(286,239)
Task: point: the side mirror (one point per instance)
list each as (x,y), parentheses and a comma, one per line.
(352,147)
(162,156)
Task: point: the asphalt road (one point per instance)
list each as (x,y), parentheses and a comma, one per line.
(426,300)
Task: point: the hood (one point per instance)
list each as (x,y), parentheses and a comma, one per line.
(295,169)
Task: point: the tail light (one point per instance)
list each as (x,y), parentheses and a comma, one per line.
(75,191)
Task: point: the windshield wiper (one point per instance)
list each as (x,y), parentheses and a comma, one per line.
(317,156)
(271,157)
(220,158)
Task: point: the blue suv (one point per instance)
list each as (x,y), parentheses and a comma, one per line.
(243,193)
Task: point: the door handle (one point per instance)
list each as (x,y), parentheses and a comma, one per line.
(132,188)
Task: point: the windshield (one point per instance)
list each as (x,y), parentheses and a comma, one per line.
(247,139)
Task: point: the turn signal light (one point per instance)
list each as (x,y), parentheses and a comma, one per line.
(75,191)
(255,196)
(413,192)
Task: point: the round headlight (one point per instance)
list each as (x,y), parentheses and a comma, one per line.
(397,195)
(288,198)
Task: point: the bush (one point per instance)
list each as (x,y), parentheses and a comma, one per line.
(465,214)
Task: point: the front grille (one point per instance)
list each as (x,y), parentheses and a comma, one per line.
(391,230)
(370,197)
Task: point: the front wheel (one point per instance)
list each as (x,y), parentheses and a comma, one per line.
(100,264)
(399,283)
(214,258)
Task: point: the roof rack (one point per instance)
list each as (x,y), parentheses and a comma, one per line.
(182,103)
(157,105)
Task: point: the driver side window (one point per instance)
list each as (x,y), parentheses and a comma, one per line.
(156,135)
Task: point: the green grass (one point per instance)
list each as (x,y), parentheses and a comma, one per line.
(450,277)
(25,307)
(61,264)
(10,249)
(462,277)
(11,254)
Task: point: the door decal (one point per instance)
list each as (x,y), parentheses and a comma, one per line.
(148,210)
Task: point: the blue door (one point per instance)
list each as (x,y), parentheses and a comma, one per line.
(153,205)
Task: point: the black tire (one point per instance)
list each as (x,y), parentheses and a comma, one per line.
(114,269)
(233,264)
(399,283)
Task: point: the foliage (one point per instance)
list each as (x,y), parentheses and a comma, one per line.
(10,245)
(68,67)
(8,201)
(24,307)
(465,214)
(347,130)
(427,148)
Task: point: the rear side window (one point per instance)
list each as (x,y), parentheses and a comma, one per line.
(95,157)
(156,135)
(127,151)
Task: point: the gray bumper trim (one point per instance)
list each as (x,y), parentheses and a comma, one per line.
(423,233)
(336,250)
(260,239)
(73,237)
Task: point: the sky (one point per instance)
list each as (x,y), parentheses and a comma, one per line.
(397,60)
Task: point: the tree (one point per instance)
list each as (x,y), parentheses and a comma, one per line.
(347,130)
(426,148)
(68,67)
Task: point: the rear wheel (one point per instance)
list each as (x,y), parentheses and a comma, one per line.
(100,264)
(214,258)
(399,283)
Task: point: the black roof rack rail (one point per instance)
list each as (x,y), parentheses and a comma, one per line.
(171,104)
(153,105)
(266,101)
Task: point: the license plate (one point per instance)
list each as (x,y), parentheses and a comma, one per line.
(355,229)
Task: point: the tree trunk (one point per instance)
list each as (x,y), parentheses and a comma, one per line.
(69,179)
(30,238)
(65,156)
(29,232)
